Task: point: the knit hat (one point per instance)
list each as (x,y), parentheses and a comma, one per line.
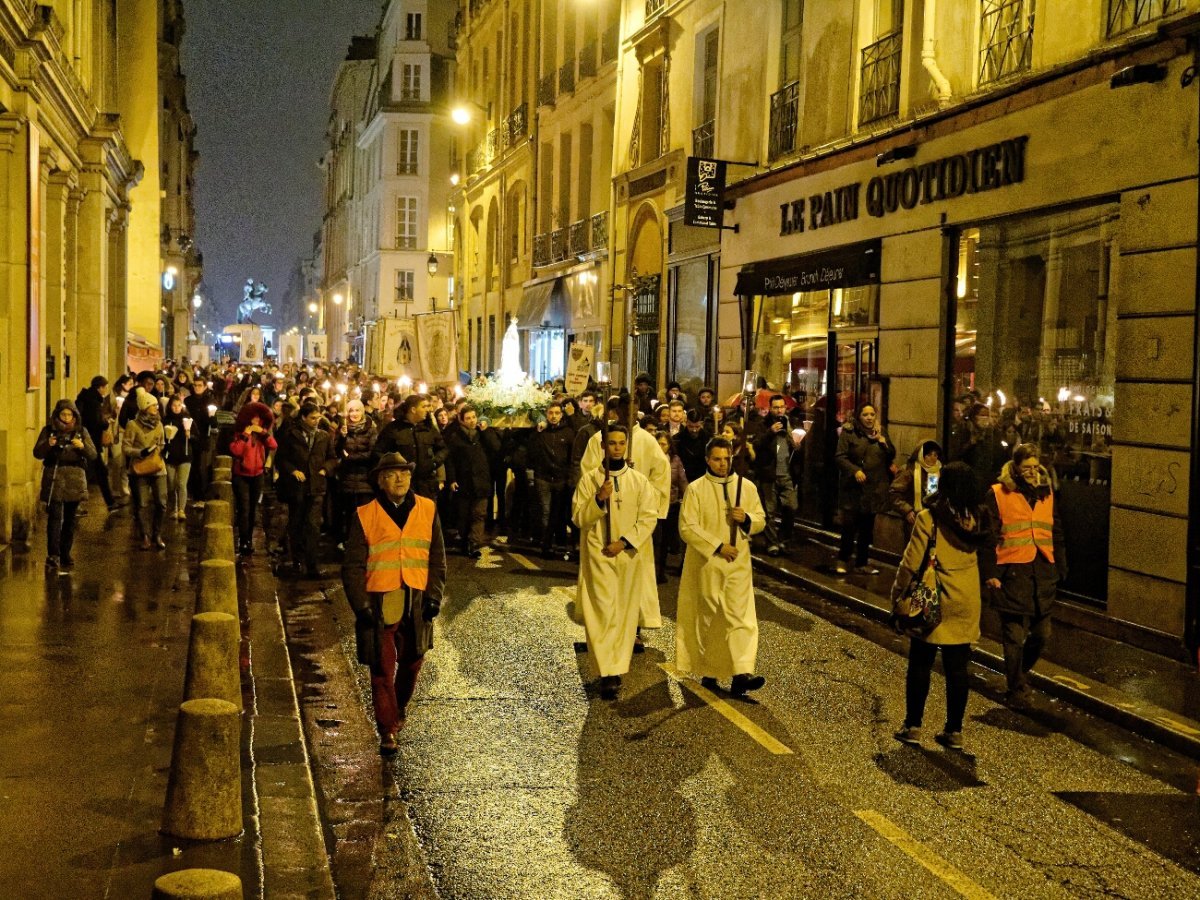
(145,400)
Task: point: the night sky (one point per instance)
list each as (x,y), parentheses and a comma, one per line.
(259,78)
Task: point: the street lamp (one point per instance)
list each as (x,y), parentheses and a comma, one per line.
(312,308)
(197,302)
(432,263)
(337,299)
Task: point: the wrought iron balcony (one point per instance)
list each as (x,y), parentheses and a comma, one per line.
(600,230)
(541,250)
(490,146)
(880,95)
(517,124)
(1006,38)
(558,245)
(566,77)
(610,43)
(785,115)
(1124,15)
(654,7)
(579,237)
(587,61)
(547,86)
(703,139)
(473,164)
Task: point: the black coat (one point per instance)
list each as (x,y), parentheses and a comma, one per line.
(550,453)
(354,452)
(691,452)
(197,407)
(856,451)
(295,455)
(768,445)
(418,630)
(467,462)
(91,410)
(420,444)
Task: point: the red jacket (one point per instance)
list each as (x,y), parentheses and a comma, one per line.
(249,453)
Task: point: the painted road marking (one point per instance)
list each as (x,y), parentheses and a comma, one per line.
(1176,726)
(770,743)
(922,854)
(525,561)
(1071,682)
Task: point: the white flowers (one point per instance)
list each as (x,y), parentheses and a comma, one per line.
(494,398)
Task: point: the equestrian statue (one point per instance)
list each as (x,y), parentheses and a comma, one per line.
(252,302)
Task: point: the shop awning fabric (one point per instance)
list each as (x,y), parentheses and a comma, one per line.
(544,303)
(849,266)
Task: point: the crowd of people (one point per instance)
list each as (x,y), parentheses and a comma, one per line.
(332,461)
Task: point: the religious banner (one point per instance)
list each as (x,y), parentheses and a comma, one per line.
(769,361)
(317,347)
(579,367)
(252,347)
(289,349)
(438,347)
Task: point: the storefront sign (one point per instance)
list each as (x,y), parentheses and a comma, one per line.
(703,203)
(984,169)
(849,266)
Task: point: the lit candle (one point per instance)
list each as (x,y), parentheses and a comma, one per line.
(458,391)
(212,409)
(120,402)
(422,388)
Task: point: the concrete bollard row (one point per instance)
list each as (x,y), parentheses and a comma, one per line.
(204,790)
(212,664)
(223,475)
(218,512)
(221,490)
(218,543)
(223,461)
(198,884)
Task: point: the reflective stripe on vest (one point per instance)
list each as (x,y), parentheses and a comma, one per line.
(1023,531)
(395,556)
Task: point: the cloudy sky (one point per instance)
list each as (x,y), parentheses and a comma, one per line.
(259,74)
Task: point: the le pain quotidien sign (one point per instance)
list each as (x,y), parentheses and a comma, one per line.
(973,172)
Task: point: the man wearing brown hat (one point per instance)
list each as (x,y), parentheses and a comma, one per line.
(394,574)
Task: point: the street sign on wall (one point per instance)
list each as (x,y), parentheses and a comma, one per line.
(704,200)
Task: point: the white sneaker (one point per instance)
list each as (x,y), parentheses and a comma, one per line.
(840,568)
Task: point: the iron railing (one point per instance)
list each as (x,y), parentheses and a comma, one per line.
(1006,38)
(472,160)
(703,139)
(600,230)
(547,86)
(541,250)
(1126,14)
(566,77)
(654,7)
(785,115)
(578,240)
(610,43)
(587,61)
(880,95)
(558,245)
(517,123)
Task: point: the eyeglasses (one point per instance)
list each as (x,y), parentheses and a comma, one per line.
(1029,470)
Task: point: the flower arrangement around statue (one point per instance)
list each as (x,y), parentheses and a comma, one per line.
(505,404)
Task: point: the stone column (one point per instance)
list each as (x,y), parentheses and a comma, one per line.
(76,378)
(93,347)
(117,284)
(54,269)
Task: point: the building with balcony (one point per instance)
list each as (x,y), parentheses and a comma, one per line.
(79,186)
(983,223)
(492,166)
(565,299)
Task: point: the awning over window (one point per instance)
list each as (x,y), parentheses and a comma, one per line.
(849,266)
(544,304)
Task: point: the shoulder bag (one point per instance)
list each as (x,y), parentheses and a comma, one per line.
(918,611)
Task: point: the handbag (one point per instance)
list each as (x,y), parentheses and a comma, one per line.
(148,465)
(918,611)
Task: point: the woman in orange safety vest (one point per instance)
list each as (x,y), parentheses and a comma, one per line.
(1024,570)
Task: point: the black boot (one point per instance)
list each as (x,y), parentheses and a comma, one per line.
(610,686)
(742,684)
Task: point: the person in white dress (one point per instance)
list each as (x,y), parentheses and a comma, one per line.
(716,623)
(615,509)
(645,456)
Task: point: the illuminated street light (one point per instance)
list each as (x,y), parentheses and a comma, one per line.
(337,299)
(454,179)
(312,308)
(432,264)
(196,301)
(461,115)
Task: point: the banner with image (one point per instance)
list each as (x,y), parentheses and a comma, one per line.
(579,367)
(438,346)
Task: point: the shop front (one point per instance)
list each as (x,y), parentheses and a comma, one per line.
(995,284)
(556,312)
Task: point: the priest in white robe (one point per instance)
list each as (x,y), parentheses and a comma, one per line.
(615,511)
(716,623)
(643,455)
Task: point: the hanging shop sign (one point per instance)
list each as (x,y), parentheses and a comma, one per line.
(983,169)
(848,266)
(704,198)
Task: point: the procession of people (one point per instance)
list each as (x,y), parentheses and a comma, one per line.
(333,463)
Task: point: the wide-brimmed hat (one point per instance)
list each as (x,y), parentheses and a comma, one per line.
(392,461)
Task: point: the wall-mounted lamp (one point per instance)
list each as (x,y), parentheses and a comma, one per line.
(1145,73)
(432,264)
(895,154)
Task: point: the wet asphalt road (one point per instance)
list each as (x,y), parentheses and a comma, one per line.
(518,783)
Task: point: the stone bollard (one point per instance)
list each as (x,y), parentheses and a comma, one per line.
(218,512)
(224,461)
(220,490)
(212,664)
(223,475)
(198,884)
(218,587)
(218,542)
(204,790)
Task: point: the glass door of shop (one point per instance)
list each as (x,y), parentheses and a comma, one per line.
(547,353)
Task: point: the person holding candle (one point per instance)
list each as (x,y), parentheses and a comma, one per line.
(716,632)
(65,449)
(143,443)
(177,425)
